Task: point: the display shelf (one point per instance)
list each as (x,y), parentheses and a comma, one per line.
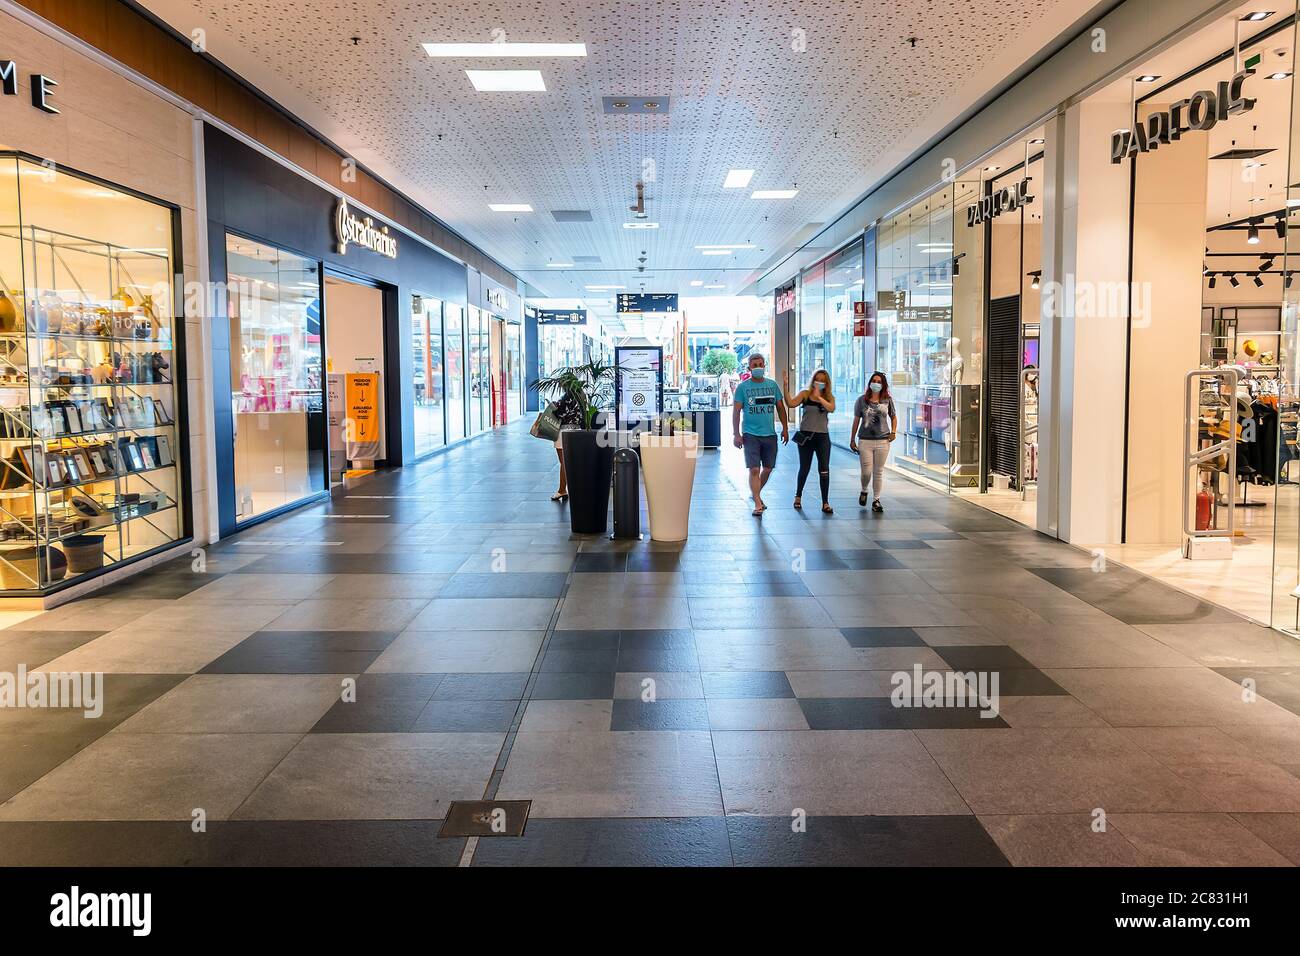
(87,334)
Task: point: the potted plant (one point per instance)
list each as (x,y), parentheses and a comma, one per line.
(578,394)
(668,456)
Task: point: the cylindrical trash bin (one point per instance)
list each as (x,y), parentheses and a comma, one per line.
(669,463)
(588,460)
(627,494)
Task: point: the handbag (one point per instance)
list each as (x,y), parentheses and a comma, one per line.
(546,425)
(802,437)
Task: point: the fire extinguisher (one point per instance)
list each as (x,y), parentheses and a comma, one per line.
(1204,508)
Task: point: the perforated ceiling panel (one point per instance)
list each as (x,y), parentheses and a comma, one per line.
(823,97)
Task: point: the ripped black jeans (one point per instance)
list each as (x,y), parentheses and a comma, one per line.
(818,444)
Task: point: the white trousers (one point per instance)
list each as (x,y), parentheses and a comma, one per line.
(872,454)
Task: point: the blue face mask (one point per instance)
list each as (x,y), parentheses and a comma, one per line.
(758,372)
(876,387)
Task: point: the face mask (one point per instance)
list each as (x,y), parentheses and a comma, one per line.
(759,373)
(819,386)
(876,387)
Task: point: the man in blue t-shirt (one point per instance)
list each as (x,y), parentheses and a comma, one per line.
(761,403)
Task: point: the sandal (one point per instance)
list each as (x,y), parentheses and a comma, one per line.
(827,509)
(560,496)
(798,502)
(862,500)
(758,511)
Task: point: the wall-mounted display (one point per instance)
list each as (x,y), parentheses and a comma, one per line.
(87,368)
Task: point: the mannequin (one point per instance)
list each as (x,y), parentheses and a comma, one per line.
(951,375)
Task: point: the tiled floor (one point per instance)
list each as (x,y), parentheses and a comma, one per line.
(324,688)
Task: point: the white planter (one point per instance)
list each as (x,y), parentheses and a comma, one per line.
(668,464)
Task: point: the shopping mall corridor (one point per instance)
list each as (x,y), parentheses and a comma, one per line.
(497,656)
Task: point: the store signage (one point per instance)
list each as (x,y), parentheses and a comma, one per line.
(863,323)
(363,407)
(495,298)
(638,383)
(42,86)
(349,230)
(561,316)
(637,302)
(1008,199)
(785,300)
(1203,111)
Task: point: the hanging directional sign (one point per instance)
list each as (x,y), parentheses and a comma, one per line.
(636,302)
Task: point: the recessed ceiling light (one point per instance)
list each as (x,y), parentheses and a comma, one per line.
(991,169)
(1278,76)
(504,49)
(510,207)
(738,179)
(773,194)
(604,288)
(723,245)
(1258,15)
(715,286)
(1147,78)
(559,265)
(507,81)
(1037,142)
(640,225)
(696,283)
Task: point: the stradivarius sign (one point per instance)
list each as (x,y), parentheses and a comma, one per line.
(1007,199)
(349,230)
(1202,111)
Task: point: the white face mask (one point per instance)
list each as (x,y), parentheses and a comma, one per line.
(876,387)
(819,386)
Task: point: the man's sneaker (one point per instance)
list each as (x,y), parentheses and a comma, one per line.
(862,499)
(877,506)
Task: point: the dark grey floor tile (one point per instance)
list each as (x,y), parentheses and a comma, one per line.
(303,652)
(585,640)
(863,841)
(370,717)
(740,684)
(334,843)
(657,652)
(159,585)
(396,686)
(879,713)
(504,585)
(850,560)
(31,649)
(481,687)
(574,660)
(939,535)
(466,716)
(902,544)
(25,758)
(882,637)
(1132,598)
(981,657)
(600,561)
(654,561)
(391,562)
(660,715)
(587,686)
(1281,685)
(681,841)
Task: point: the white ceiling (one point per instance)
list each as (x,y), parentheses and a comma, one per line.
(832,119)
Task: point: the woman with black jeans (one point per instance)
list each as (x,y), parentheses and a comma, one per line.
(813,437)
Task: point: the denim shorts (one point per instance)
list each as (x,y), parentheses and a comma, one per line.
(760,451)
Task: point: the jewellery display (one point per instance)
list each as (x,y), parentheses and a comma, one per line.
(89,475)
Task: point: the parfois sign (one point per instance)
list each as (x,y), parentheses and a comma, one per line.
(349,230)
(1202,111)
(1008,199)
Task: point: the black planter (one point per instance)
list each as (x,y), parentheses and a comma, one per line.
(589,465)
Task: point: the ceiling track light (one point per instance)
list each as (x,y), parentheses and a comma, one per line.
(1232,281)
(1213,280)
(1280,226)
(1259,283)
(1252,234)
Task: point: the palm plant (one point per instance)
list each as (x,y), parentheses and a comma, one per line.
(578,392)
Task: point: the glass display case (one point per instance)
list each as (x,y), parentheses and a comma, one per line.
(90,458)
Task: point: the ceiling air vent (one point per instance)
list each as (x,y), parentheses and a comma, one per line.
(571,215)
(635,104)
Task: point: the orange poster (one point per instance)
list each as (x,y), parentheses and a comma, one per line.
(363,406)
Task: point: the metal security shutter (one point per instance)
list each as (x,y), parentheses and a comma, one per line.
(1003,368)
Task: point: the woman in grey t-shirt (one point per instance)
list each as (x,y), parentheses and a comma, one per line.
(875,425)
(814,434)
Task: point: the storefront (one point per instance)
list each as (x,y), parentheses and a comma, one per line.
(339,344)
(496,353)
(1197,146)
(94,424)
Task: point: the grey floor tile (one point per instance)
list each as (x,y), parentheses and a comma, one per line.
(31,649)
(581,686)
(863,841)
(403,776)
(481,687)
(567,716)
(466,716)
(1281,831)
(303,652)
(882,637)
(1194,839)
(1059,839)
(683,841)
(239,703)
(665,714)
(737,684)
(755,714)
(447,652)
